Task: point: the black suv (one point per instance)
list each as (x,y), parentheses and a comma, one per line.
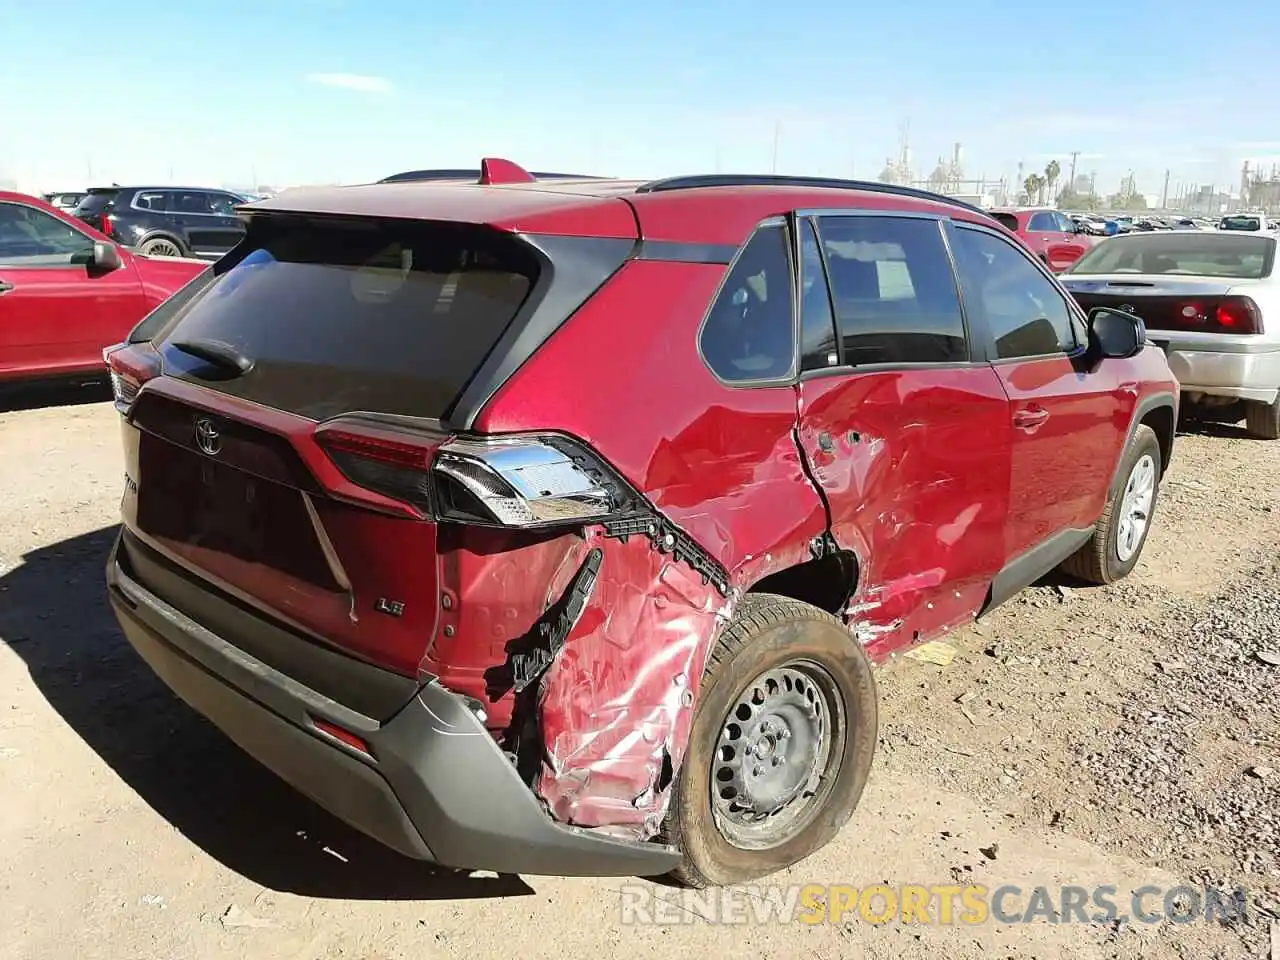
(166,221)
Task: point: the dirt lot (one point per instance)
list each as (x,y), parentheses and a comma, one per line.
(1120,736)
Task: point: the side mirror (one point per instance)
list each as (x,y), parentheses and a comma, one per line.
(1116,334)
(106,256)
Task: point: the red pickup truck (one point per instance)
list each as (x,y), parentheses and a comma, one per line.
(67,292)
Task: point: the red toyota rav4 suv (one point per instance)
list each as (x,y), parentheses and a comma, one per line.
(554,526)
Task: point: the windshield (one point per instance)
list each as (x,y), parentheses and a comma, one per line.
(1181,254)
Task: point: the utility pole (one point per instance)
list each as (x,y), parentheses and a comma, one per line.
(777,135)
(1164,197)
(1074,155)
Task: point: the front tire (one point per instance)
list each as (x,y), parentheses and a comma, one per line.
(1262,420)
(1122,530)
(781,744)
(161,247)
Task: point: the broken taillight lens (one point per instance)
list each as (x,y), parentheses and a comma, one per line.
(525,482)
(131,365)
(510,481)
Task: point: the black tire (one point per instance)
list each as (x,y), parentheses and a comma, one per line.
(770,632)
(1262,420)
(151,245)
(1098,561)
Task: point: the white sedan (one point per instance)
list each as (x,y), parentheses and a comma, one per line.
(1211,301)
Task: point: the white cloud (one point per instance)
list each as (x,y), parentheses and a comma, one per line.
(352,81)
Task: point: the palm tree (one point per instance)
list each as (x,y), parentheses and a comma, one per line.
(1033,185)
(1051,173)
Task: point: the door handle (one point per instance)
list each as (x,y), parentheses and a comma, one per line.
(5,287)
(1028,418)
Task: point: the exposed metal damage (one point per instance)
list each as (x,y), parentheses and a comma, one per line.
(616,705)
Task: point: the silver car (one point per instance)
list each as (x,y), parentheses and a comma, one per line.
(1211,301)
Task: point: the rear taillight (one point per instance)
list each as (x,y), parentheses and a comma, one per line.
(1238,315)
(131,365)
(1220,315)
(106,224)
(393,462)
(512,481)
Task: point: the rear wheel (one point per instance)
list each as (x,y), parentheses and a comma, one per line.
(161,247)
(1122,530)
(781,745)
(1262,420)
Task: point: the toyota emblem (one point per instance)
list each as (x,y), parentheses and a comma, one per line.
(207,437)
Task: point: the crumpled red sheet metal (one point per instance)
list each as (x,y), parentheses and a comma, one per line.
(616,705)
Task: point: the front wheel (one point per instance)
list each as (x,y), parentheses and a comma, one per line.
(1122,530)
(160,247)
(781,745)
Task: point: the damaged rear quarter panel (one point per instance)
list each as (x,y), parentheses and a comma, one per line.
(625,376)
(617,703)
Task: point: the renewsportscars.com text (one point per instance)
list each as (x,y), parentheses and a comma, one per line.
(940,904)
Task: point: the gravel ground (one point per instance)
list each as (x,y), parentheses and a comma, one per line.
(1125,735)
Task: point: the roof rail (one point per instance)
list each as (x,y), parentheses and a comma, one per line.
(474,175)
(781,180)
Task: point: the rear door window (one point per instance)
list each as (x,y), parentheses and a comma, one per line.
(358,316)
(818,348)
(155,201)
(894,291)
(190,201)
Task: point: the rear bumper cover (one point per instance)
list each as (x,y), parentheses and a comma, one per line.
(436,787)
(1227,370)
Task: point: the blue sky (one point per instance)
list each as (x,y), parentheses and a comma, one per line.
(299,91)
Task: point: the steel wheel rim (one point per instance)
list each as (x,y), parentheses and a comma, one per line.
(775,760)
(1135,507)
(163,248)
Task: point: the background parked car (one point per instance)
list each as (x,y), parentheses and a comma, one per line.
(166,221)
(65,200)
(1050,234)
(1211,300)
(1244,222)
(67,292)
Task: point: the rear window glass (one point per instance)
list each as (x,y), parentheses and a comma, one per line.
(1182,254)
(357,317)
(1241,223)
(1007,220)
(96,202)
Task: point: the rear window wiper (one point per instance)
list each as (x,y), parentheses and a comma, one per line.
(221,355)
